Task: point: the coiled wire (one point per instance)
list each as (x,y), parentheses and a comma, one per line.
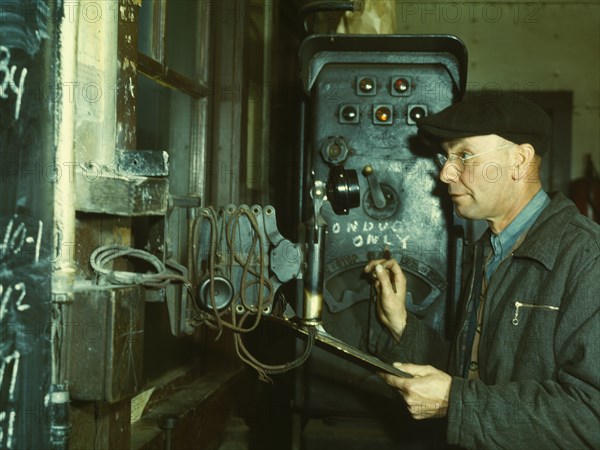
(249,278)
(103,255)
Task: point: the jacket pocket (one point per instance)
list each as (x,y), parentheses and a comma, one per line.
(519,305)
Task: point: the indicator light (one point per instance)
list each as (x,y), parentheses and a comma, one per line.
(366,86)
(401,85)
(383,114)
(349,114)
(415,112)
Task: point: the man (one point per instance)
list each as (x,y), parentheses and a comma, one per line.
(524,367)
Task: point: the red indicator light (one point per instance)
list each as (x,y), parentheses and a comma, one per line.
(401,85)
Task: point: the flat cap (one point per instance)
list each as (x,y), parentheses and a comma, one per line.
(511,116)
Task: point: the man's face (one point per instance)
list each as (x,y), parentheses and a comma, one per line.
(478,175)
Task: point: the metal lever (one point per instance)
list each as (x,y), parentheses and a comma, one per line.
(315,241)
(374,186)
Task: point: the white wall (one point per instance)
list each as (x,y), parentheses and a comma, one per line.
(530,46)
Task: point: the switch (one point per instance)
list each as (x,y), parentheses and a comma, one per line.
(375,189)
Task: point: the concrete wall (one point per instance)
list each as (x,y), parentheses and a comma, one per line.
(541,46)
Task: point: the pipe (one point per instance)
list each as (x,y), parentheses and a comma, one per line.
(63,271)
(60,417)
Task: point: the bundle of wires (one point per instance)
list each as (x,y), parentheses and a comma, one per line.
(105,254)
(251,276)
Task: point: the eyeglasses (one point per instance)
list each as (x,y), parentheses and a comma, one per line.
(442,159)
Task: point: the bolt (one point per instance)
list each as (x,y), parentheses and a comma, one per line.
(334,150)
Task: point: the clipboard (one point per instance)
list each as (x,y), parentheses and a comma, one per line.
(331,344)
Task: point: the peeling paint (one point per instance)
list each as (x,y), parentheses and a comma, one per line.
(129,64)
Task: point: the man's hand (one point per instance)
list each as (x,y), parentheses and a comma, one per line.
(391,289)
(426,394)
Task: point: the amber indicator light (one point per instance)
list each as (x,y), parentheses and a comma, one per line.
(383,114)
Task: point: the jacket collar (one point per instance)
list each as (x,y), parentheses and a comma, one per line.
(542,242)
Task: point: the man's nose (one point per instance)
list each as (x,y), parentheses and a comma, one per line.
(450,173)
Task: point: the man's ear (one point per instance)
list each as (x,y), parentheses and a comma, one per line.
(525,153)
(524,157)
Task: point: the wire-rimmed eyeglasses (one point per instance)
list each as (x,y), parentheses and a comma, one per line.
(453,158)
